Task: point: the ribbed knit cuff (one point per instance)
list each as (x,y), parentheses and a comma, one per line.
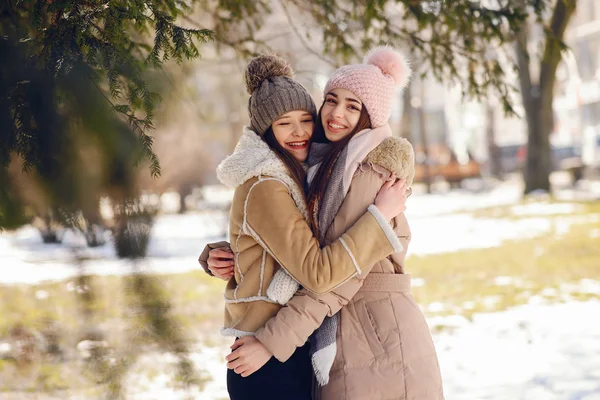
(387,229)
(282,287)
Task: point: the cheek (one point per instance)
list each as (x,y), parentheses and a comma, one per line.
(353,119)
(280,136)
(310,129)
(325,111)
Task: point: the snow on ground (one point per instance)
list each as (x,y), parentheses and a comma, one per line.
(454,232)
(420,204)
(439,224)
(536,351)
(174,247)
(157,385)
(540,352)
(545,208)
(531,352)
(177,240)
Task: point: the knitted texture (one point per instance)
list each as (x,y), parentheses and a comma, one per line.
(273,92)
(282,287)
(375,82)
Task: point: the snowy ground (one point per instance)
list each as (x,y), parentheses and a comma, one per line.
(531,352)
(439,223)
(174,247)
(536,351)
(540,352)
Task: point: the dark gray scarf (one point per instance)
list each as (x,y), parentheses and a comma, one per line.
(322,341)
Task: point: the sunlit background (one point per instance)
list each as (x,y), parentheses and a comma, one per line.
(509,283)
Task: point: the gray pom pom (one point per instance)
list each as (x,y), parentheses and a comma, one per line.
(264,67)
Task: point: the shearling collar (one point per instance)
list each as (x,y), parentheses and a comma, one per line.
(252,158)
(395,155)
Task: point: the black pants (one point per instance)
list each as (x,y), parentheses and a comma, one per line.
(291,380)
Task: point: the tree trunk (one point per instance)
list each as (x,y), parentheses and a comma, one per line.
(537,99)
(538,161)
(184,191)
(493,153)
(49,229)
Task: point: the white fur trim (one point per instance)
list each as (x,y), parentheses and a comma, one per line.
(244,223)
(343,242)
(251,232)
(322,361)
(282,287)
(235,332)
(252,158)
(249,299)
(237,258)
(262,271)
(237,264)
(387,229)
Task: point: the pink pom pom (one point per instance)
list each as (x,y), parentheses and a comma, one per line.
(390,62)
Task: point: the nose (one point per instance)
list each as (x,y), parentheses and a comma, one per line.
(298,131)
(338,111)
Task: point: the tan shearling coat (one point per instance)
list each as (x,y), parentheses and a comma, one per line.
(269,234)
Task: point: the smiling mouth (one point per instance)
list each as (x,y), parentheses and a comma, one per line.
(298,145)
(335,126)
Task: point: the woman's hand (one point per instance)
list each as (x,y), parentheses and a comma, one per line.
(248,356)
(391,199)
(220,262)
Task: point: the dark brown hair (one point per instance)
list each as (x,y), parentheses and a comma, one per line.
(316,189)
(294,166)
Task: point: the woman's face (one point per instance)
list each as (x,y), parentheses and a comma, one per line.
(340,114)
(293,131)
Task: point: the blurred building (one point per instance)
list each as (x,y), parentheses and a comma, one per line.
(576,102)
(584,78)
(438,112)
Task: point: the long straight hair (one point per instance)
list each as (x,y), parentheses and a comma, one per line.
(316,189)
(293,166)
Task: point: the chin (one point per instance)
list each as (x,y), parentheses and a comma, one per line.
(300,157)
(335,137)
(303,158)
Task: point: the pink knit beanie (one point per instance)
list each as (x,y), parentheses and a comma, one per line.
(384,70)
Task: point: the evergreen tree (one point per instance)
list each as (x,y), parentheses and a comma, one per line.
(75,100)
(77,106)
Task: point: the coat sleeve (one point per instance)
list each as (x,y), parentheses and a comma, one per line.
(273,220)
(203,259)
(305,312)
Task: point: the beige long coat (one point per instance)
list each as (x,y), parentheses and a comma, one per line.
(384,347)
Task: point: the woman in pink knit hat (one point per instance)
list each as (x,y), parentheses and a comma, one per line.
(368,337)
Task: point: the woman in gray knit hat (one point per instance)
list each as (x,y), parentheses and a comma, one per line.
(271,240)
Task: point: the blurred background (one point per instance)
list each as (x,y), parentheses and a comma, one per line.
(115,114)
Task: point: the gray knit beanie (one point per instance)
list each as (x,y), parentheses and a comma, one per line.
(273,92)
